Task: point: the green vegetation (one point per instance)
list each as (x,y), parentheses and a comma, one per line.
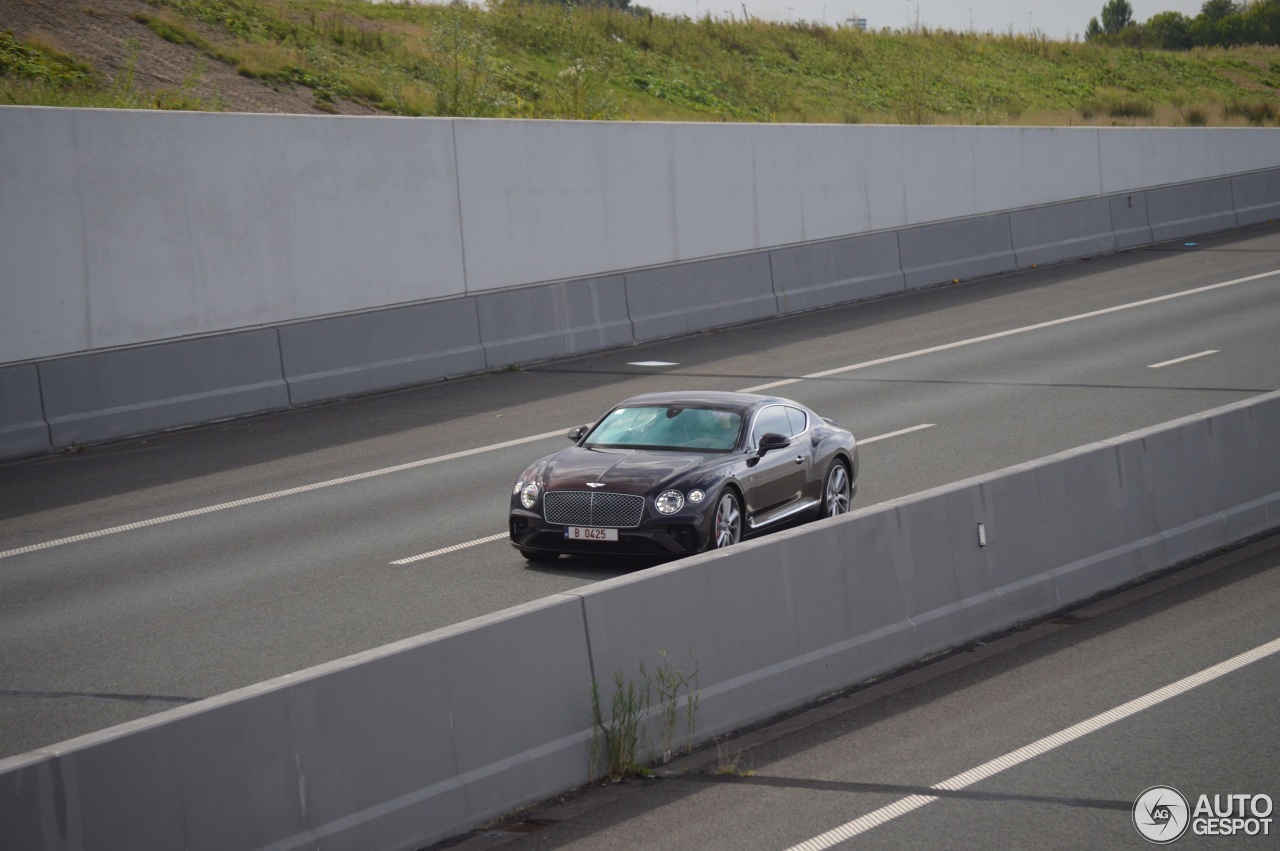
(523,59)
(655,698)
(1221,23)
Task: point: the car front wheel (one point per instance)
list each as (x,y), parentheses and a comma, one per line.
(726,527)
(838,491)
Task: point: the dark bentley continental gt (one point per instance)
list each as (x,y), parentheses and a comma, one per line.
(678,473)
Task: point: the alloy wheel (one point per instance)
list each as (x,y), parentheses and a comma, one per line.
(727,530)
(838,492)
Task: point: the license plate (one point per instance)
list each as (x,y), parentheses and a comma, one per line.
(589,533)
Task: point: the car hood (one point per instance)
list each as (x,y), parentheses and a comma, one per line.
(620,470)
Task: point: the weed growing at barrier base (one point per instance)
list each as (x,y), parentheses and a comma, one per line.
(669,682)
(620,731)
(729,763)
(617,736)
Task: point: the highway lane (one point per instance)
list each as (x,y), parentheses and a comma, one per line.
(114,627)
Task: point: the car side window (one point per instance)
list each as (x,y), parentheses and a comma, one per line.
(771,420)
(799,421)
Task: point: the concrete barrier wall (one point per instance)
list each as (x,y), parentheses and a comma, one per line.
(383,252)
(123,228)
(420,740)
(120,227)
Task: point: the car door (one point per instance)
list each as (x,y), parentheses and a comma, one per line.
(777,480)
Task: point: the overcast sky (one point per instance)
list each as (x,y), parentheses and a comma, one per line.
(1055,18)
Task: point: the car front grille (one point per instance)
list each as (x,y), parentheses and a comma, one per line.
(583,508)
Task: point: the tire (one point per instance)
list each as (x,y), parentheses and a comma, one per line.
(837,490)
(540,556)
(726,524)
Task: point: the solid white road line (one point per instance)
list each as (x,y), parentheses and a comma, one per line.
(183,515)
(874,819)
(1012,332)
(503,535)
(1183,359)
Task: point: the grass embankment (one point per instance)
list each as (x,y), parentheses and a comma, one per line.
(530,60)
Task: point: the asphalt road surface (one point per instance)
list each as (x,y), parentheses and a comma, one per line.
(143,574)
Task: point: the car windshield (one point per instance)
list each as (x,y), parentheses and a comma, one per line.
(668,427)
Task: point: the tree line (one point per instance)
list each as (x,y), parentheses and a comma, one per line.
(1221,23)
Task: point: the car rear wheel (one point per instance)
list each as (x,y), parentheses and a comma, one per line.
(838,491)
(726,526)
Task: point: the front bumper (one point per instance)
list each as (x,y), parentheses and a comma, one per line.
(678,535)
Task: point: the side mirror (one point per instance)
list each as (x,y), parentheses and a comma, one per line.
(771,441)
(577,432)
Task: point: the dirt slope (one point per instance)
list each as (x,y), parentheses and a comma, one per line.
(97,31)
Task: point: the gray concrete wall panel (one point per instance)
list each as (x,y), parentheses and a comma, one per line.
(796,202)
(549,200)
(958,172)
(1139,158)
(1256,197)
(131,391)
(1245,466)
(1062,232)
(836,272)
(695,296)
(847,621)
(23,430)
(701,611)
(926,566)
(1014,517)
(364,352)
(1187,519)
(1054,166)
(128,227)
(1129,220)
(391,749)
(715,205)
(557,320)
(1191,209)
(969,248)
(42,238)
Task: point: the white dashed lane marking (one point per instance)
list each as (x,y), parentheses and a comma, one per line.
(1182,359)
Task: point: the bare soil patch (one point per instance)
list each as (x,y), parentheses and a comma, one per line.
(99,32)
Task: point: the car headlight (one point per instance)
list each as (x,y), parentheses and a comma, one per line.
(696,496)
(669,502)
(529,495)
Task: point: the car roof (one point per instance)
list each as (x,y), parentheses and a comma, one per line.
(707,398)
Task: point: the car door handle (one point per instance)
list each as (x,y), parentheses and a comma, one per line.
(799,459)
